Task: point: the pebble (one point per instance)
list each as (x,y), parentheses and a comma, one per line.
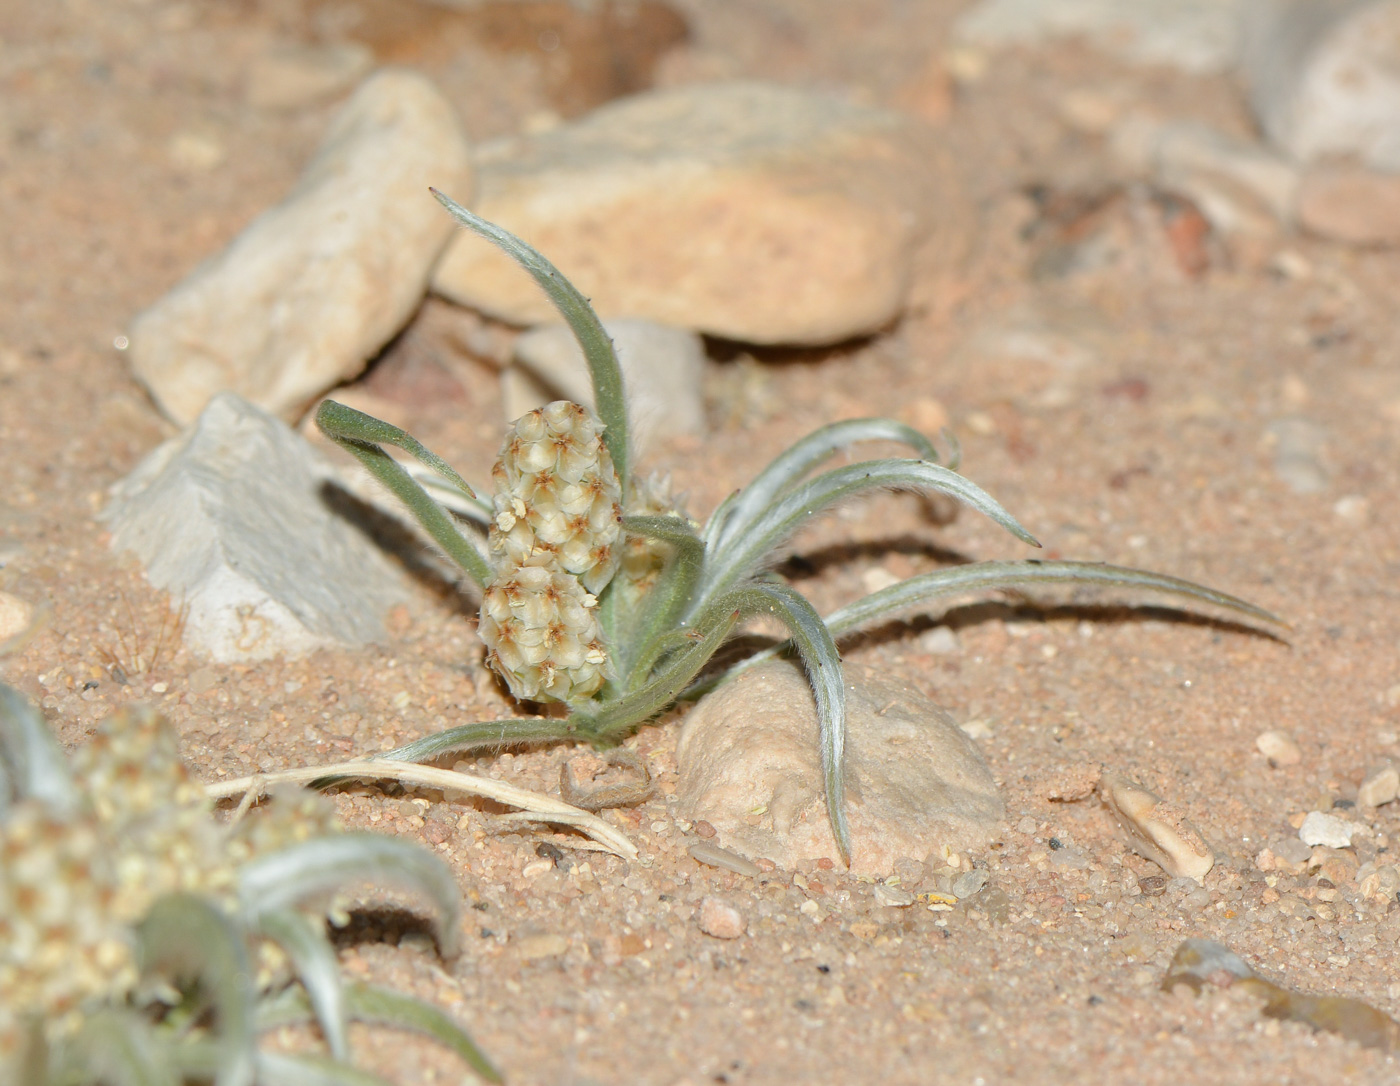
(969,884)
(230,518)
(915,783)
(1298,444)
(315,286)
(1379,788)
(1192,35)
(1322,78)
(1319,828)
(1157,829)
(662,367)
(892,897)
(16,614)
(291,75)
(1350,204)
(1279,748)
(745,210)
(706,852)
(538,945)
(939,641)
(720,919)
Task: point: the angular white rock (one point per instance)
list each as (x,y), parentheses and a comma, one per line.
(1193,35)
(230,518)
(1379,788)
(748,763)
(1157,829)
(1278,747)
(1319,828)
(745,210)
(662,368)
(1323,77)
(315,286)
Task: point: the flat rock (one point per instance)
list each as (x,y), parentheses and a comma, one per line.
(1193,35)
(315,286)
(1350,204)
(1157,829)
(749,764)
(1320,828)
(744,210)
(231,518)
(662,368)
(1323,78)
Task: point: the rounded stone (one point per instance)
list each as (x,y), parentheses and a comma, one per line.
(749,764)
(721,920)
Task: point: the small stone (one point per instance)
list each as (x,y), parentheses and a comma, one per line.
(661,366)
(892,897)
(1298,445)
(744,210)
(1157,829)
(969,884)
(539,945)
(1279,748)
(291,75)
(315,286)
(1380,883)
(1319,828)
(1351,205)
(1379,788)
(720,919)
(16,614)
(1353,509)
(1323,79)
(915,783)
(230,518)
(939,641)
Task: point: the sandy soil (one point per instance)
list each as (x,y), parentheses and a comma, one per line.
(127,153)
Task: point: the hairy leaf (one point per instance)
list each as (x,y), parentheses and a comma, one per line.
(368,1003)
(32,764)
(317,967)
(597,346)
(323,865)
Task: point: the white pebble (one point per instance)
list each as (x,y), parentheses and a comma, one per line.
(1157,829)
(15,616)
(1326,829)
(720,919)
(1279,748)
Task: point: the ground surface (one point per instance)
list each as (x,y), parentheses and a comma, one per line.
(127,154)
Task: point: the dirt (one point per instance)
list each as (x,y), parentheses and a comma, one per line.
(127,154)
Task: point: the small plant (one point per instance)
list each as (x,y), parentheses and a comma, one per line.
(598,592)
(142,943)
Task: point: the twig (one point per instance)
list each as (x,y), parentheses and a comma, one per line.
(534,805)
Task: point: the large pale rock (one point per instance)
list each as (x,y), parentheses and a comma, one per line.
(915,783)
(754,212)
(662,368)
(231,518)
(1323,77)
(315,286)
(1351,204)
(1193,35)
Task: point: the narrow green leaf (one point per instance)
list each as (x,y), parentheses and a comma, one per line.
(791,466)
(342,425)
(284,1069)
(743,555)
(187,937)
(317,967)
(32,764)
(823,665)
(665,601)
(290,875)
(482,735)
(373,1004)
(597,346)
(616,718)
(991,576)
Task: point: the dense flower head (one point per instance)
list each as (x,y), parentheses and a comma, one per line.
(63,941)
(558,500)
(541,632)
